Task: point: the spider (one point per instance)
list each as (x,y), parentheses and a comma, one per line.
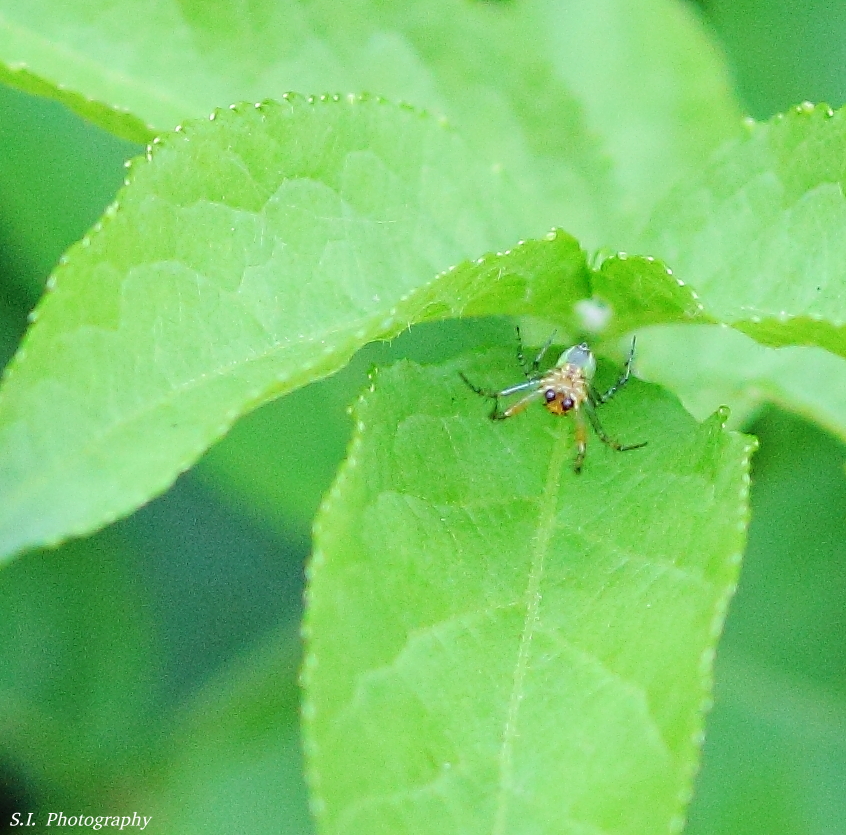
(564,389)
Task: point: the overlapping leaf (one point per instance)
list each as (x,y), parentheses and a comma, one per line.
(519,81)
(250,256)
(258,254)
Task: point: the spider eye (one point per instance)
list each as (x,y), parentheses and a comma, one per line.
(550,395)
(567,403)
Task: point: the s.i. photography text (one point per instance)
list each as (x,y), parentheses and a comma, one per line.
(119,822)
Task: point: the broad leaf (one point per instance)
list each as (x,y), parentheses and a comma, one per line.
(249,256)
(553,89)
(496,644)
(761,233)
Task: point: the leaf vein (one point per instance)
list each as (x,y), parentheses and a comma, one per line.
(546,526)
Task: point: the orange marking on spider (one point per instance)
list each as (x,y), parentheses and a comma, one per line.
(565,389)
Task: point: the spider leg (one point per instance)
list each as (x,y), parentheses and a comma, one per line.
(581,440)
(531,371)
(518,407)
(599,399)
(478,389)
(496,414)
(521,358)
(542,352)
(603,435)
(531,383)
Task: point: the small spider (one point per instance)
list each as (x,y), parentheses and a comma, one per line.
(564,389)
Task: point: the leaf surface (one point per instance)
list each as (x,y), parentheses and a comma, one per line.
(249,256)
(761,232)
(555,90)
(709,366)
(499,645)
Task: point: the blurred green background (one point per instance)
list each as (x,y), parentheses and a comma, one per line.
(152,667)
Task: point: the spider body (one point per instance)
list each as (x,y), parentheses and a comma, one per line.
(565,389)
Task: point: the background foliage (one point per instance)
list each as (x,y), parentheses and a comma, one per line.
(156,660)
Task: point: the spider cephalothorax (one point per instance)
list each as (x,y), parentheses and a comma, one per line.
(566,388)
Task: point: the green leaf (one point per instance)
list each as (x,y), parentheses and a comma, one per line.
(760,236)
(249,256)
(116,120)
(498,645)
(708,367)
(761,233)
(655,91)
(637,291)
(553,90)
(57,174)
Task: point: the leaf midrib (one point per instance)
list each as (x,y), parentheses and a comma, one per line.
(540,547)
